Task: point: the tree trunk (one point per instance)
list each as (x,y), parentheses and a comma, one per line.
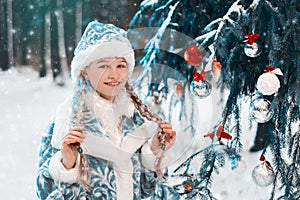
(10,33)
(61,45)
(78,22)
(47,44)
(4,63)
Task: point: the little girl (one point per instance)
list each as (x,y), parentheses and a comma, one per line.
(104,143)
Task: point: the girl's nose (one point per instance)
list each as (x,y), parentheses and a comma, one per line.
(113,72)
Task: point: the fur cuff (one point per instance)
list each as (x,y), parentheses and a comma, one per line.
(60,173)
(147,157)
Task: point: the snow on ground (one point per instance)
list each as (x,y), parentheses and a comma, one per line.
(28,104)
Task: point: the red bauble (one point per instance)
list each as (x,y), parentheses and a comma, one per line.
(188,186)
(193,55)
(216,67)
(179,90)
(199,76)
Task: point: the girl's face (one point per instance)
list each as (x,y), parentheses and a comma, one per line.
(108,76)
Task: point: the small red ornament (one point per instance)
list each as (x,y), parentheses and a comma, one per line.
(179,90)
(216,67)
(188,186)
(199,76)
(220,134)
(193,55)
(250,38)
(155,95)
(270,68)
(262,157)
(267,163)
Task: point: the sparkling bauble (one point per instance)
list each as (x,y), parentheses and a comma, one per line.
(193,55)
(188,186)
(268,83)
(200,89)
(263,175)
(252,50)
(261,110)
(153,100)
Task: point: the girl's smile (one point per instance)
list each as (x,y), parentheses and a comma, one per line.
(108,76)
(112,84)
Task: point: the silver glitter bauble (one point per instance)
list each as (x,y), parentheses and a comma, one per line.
(252,50)
(200,89)
(263,175)
(260,110)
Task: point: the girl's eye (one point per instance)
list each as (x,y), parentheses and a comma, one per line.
(122,66)
(103,66)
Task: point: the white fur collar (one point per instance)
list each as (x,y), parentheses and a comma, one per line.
(122,105)
(108,113)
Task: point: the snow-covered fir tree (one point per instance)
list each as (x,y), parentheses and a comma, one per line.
(250,48)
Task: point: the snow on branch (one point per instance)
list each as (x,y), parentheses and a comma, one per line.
(153,44)
(270,5)
(235,8)
(164,6)
(144,4)
(147,3)
(254,4)
(205,37)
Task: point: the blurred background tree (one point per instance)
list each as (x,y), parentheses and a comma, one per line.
(43,34)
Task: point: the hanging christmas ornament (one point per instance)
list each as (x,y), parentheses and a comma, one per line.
(216,67)
(200,87)
(193,55)
(199,76)
(251,48)
(260,110)
(154,98)
(179,90)
(188,186)
(263,174)
(268,83)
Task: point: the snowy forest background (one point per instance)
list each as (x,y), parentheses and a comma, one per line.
(43,34)
(37,39)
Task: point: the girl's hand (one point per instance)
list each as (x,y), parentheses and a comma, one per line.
(69,147)
(170,138)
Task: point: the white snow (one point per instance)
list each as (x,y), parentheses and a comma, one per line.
(28,105)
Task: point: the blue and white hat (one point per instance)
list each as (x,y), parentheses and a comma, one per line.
(101,41)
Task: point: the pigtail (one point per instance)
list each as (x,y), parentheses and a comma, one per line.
(145,112)
(76,116)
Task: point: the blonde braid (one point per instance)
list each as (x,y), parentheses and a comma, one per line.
(78,108)
(145,112)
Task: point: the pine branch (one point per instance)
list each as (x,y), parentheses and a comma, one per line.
(153,45)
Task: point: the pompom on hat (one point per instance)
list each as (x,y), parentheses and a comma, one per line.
(101,41)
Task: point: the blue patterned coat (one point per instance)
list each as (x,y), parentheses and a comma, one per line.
(103,180)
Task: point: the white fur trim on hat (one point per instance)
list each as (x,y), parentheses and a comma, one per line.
(104,50)
(101,41)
